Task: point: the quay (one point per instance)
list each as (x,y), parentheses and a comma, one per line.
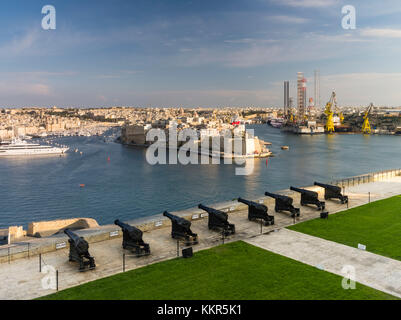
(21,262)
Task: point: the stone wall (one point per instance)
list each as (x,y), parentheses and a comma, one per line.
(47,228)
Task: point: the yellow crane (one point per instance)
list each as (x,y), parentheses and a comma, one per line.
(341,116)
(366,125)
(330,113)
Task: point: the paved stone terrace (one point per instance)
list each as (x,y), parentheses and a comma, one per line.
(21,278)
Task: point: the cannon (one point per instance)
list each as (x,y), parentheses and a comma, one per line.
(332,192)
(284,203)
(79,251)
(218,220)
(181,229)
(257,211)
(132,239)
(309,197)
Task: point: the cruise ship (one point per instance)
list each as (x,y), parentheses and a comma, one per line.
(22,148)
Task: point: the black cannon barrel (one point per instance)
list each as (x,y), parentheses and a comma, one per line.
(303,191)
(73,236)
(80,243)
(201,206)
(272,195)
(328,186)
(247,202)
(122,225)
(218,220)
(309,197)
(169,215)
(276,196)
(207,209)
(257,211)
(297,189)
(252,203)
(132,231)
(179,220)
(332,192)
(211,210)
(181,228)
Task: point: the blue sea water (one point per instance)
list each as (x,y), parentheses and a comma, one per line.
(127,187)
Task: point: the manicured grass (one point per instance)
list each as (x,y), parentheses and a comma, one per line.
(376,225)
(233,271)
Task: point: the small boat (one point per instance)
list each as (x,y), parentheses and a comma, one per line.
(277,123)
(285,147)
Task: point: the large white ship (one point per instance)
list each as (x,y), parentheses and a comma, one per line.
(19,147)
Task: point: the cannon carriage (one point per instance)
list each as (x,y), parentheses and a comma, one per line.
(79,251)
(257,211)
(332,192)
(284,203)
(181,229)
(218,220)
(132,239)
(309,197)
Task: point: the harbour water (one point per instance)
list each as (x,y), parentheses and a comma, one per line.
(119,183)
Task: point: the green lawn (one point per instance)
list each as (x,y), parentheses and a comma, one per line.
(233,271)
(376,225)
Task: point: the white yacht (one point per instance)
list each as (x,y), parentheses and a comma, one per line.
(19,147)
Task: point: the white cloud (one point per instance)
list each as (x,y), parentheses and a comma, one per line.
(32,87)
(252,52)
(207,97)
(118,74)
(250,41)
(363,88)
(18,88)
(307,3)
(19,44)
(381,33)
(34,75)
(288,19)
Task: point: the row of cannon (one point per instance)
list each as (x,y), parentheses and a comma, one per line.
(217,221)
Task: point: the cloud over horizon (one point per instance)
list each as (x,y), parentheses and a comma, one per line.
(196,53)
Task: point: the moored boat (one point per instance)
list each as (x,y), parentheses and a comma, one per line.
(19,147)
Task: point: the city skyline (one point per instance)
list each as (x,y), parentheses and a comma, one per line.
(197,53)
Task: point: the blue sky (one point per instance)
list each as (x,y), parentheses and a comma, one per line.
(197,53)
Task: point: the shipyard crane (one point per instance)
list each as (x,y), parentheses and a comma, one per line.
(366,125)
(341,116)
(330,106)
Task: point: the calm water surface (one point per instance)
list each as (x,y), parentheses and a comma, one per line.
(126,187)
